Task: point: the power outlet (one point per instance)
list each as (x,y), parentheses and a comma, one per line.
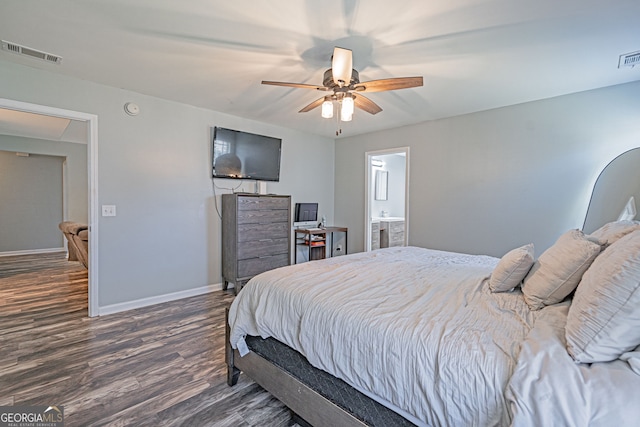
(108,210)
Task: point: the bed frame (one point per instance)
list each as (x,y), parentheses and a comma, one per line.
(308,406)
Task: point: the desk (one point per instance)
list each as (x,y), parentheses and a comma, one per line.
(315,239)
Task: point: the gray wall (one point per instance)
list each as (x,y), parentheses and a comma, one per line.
(30,202)
(155,167)
(491,181)
(77,181)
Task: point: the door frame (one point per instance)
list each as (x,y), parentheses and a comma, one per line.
(369,176)
(92,172)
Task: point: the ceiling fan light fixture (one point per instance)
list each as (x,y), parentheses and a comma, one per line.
(344,82)
(346,111)
(327,108)
(342,66)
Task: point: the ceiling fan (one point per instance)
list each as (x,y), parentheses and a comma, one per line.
(346,88)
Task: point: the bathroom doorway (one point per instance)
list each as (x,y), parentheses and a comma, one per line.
(387,207)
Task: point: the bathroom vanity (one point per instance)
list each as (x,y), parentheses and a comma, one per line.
(387,232)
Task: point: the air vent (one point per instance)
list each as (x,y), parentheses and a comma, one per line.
(629,60)
(27,51)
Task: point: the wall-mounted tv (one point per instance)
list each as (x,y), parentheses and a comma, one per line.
(244,155)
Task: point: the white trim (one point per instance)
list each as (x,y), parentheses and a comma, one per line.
(94,309)
(367,201)
(65,190)
(65,200)
(92,169)
(144,302)
(367,214)
(32,252)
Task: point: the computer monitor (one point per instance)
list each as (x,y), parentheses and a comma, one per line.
(306,214)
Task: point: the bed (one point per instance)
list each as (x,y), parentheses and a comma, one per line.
(413,336)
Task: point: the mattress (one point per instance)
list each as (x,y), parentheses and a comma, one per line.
(337,391)
(417,329)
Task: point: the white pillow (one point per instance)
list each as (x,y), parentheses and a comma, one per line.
(604,317)
(613,231)
(559,269)
(511,269)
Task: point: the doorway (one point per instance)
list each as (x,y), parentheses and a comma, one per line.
(387,201)
(91,121)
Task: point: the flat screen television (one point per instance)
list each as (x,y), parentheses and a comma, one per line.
(243,155)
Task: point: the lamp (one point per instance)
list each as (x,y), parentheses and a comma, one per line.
(346,112)
(327,108)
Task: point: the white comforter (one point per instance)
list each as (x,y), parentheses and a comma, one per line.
(549,389)
(417,328)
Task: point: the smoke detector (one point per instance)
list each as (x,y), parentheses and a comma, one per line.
(629,60)
(131,109)
(33,53)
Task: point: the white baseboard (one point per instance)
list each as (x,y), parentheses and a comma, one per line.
(144,302)
(32,252)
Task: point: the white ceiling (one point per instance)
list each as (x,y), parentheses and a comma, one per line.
(474,54)
(20,123)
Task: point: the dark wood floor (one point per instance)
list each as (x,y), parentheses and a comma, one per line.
(161,365)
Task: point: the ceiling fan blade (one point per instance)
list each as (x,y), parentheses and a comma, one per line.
(342,66)
(297,85)
(364,103)
(389,84)
(314,104)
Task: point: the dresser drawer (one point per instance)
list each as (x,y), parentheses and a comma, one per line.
(259,248)
(250,232)
(262,216)
(255,203)
(375,238)
(396,226)
(254,266)
(375,244)
(396,239)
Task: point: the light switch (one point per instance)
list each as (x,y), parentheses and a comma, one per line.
(108,210)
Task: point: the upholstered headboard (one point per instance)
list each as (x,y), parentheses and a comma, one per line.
(617,183)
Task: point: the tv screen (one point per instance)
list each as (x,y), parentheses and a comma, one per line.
(244,155)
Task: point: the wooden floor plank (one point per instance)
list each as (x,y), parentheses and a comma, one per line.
(161,365)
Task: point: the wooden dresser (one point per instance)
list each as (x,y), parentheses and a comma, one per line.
(256,235)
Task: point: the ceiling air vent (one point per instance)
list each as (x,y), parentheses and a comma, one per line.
(23,50)
(629,60)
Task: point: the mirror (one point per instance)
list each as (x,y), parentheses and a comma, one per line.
(616,184)
(382,178)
